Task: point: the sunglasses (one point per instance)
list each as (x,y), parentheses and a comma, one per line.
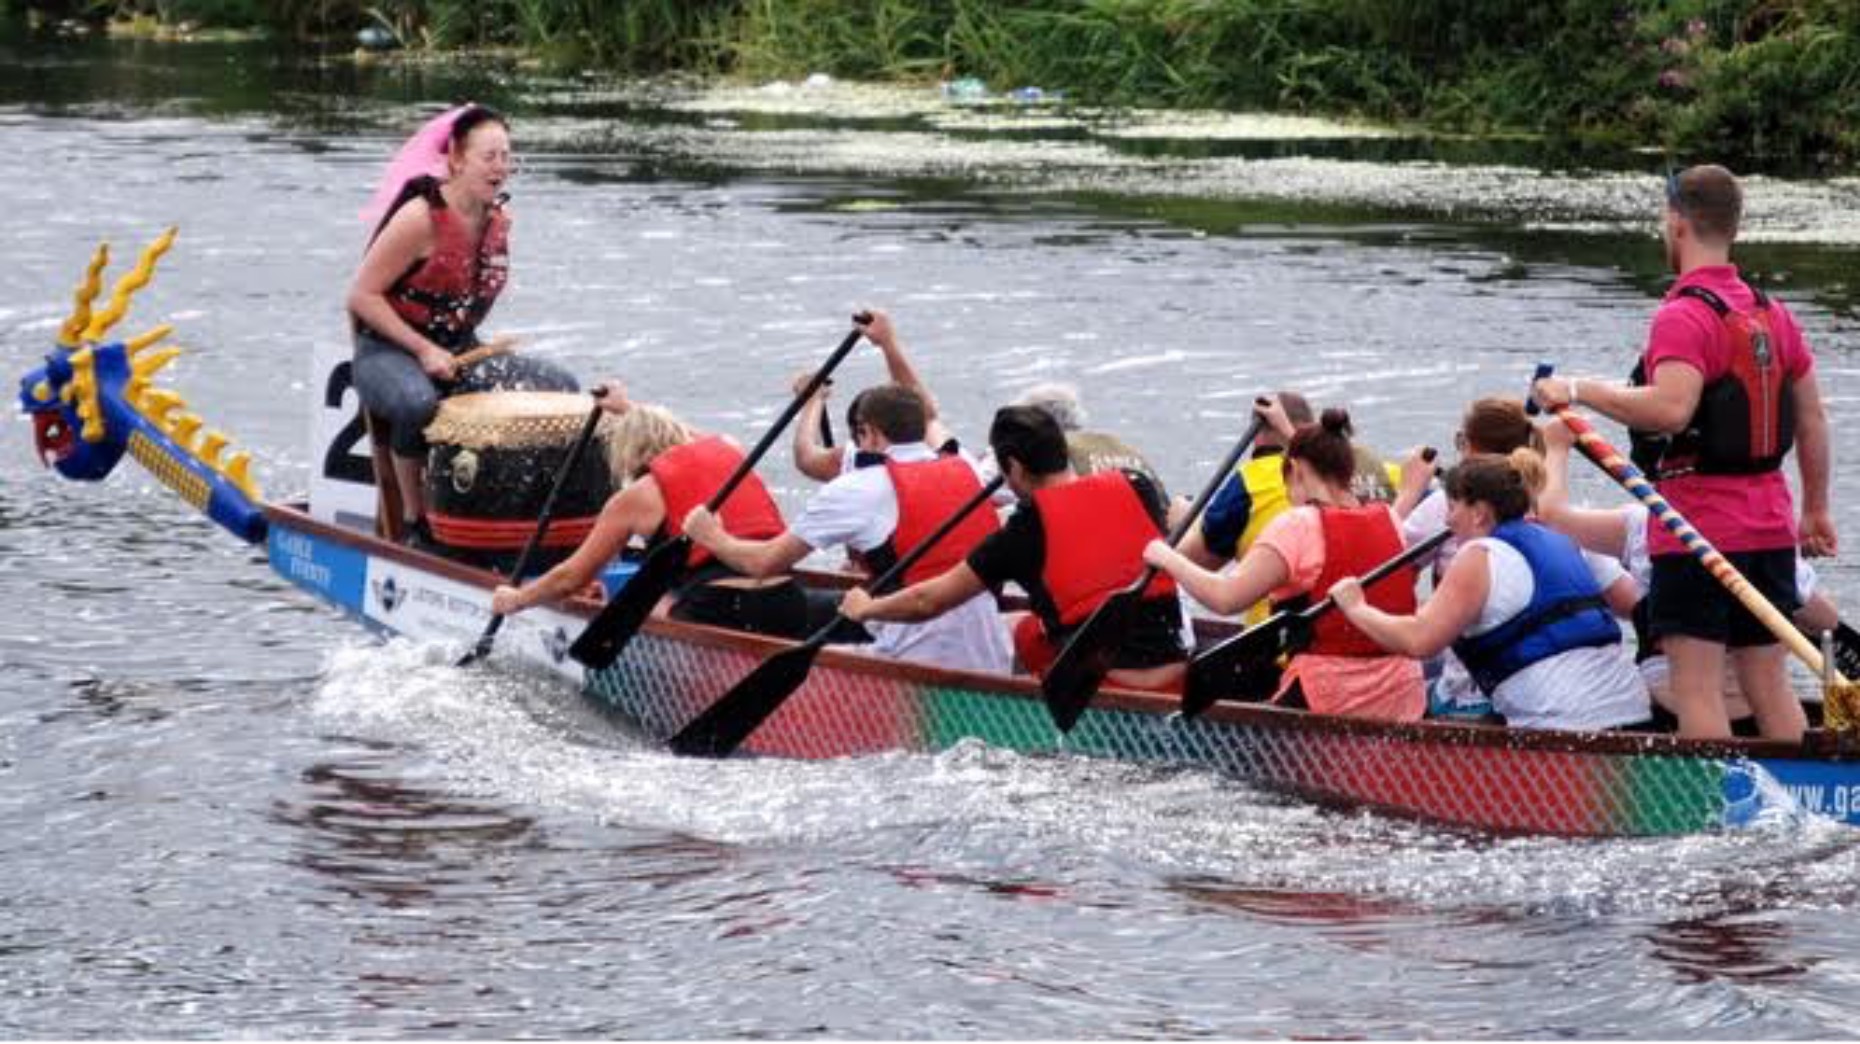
(1675,193)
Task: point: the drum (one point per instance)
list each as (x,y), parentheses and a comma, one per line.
(493,459)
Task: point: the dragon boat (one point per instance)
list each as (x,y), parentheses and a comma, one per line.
(95,400)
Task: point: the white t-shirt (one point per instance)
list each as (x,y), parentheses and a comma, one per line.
(859,509)
(1454,687)
(1427,518)
(1592,688)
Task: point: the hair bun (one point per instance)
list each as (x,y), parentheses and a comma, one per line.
(1336,420)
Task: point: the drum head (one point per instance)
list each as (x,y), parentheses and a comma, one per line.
(508,419)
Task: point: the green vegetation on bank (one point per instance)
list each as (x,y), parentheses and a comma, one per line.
(1770,81)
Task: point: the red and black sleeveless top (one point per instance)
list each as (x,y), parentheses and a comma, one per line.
(450,291)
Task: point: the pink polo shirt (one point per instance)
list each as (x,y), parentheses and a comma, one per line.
(1734,512)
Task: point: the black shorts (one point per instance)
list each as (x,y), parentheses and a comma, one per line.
(778,610)
(1687,600)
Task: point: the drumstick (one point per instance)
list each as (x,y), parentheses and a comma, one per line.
(503,344)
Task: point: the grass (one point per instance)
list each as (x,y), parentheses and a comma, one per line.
(1758,82)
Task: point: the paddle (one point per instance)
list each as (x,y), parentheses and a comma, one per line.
(1211,673)
(1080,667)
(1631,478)
(725,724)
(601,642)
(1847,650)
(482,647)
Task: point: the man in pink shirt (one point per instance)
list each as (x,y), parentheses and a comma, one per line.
(1725,387)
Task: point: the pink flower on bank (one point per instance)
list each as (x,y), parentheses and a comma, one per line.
(1675,80)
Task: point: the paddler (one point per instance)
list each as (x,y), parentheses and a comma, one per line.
(1520,607)
(1330,532)
(879,513)
(1071,543)
(665,468)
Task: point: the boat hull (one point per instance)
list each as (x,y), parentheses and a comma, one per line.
(1473,776)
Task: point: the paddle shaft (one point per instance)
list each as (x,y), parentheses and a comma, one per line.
(1081,665)
(1268,638)
(924,546)
(608,634)
(1195,509)
(725,724)
(496,346)
(482,647)
(1406,558)
(1631,478)
(781,423)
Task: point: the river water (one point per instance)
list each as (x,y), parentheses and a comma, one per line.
(227,812)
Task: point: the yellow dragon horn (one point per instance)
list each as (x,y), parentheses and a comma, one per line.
(72,331)
(141,342)
(126,287)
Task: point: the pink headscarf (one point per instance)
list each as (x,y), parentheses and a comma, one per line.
(424,154)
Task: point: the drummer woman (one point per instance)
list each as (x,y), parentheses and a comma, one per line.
(665,469)
(437,260)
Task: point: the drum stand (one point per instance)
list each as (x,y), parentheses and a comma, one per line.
(388,523)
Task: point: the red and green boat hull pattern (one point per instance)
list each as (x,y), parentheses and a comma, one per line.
(1464,775)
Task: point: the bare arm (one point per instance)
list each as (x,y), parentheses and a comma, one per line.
(634,511)
(1442,618)
(1194,547)
(880,331)
(919,602)
(1814,458)
(1601,530)
(818,462)
(1417,474)
(757,558)
(1622,596)
(1260,570)
(1665,405)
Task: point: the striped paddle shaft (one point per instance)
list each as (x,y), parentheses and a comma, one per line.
(1635,482)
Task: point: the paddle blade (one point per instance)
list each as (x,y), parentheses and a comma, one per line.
(601,642)
(482,647)
(1081,666)
(1225,668)
(725,724)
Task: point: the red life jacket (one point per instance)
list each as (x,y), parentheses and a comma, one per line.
(1096,528)
(449,293)
(691,474)
(1745,421)
(1357,540)
(930,491)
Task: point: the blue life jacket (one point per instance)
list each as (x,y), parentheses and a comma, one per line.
(1566,610)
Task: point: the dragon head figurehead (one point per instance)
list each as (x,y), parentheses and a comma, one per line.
(94,400)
